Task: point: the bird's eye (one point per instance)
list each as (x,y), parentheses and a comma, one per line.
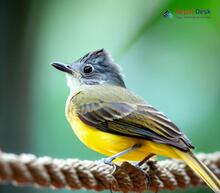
(88,68)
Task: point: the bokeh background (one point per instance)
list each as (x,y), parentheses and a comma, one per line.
(172,63)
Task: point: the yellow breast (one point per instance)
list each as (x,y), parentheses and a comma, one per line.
(109,144)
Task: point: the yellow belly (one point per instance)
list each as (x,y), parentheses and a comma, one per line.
(110,144)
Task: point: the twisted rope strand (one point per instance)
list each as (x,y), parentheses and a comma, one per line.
(27,169)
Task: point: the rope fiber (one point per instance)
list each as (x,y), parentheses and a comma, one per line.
(27,169)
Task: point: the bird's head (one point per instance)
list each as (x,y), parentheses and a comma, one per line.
(94,68)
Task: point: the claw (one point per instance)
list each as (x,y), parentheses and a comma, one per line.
(137,165)
(107,161)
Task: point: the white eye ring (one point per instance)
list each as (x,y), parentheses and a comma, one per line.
(88,68)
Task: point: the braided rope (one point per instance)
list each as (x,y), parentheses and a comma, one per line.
(27,169)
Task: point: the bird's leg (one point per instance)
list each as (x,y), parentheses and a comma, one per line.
(109,160)
(139,164)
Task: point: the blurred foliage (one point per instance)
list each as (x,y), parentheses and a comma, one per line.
(172,63)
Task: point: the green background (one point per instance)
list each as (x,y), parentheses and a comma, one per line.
(174,64)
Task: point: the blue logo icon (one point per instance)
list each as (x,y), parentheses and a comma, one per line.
(167,14)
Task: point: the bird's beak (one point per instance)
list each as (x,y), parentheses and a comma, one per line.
(62,67)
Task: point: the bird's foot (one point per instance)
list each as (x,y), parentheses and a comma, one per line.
(107,161)
(139,167)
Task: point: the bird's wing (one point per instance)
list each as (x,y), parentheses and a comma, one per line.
(133,120)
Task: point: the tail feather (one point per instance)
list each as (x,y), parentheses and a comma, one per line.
(200,169)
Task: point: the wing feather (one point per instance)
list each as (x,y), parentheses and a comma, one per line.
(135,120)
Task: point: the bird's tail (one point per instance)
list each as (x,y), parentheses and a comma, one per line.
(200,169)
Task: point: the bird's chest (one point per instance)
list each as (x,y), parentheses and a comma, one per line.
(102,142)
(95,139)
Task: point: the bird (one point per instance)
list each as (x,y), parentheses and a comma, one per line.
(110,119)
